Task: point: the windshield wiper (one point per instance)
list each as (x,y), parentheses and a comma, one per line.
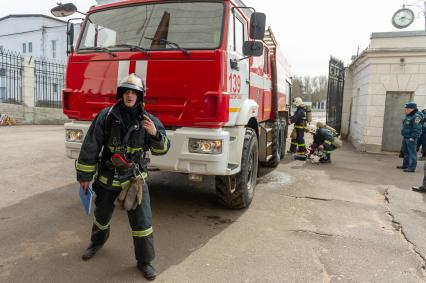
(132,48)
(103,49)
(171,43)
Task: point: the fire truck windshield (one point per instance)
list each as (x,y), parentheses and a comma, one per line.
(189,25)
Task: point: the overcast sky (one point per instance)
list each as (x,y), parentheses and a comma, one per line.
(307,31)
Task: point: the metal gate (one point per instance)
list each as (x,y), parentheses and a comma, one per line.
(10,77)
(336,81)
(49,81)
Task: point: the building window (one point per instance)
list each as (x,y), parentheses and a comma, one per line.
(24,48)
(53,48)
(30,47)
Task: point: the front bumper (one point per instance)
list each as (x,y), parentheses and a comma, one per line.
(179,159)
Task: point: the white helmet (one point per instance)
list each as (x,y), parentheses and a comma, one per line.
(297,101)
(133,82)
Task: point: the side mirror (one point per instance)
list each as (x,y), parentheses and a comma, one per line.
(64,10)
(257,26)
(70,38)
(253,48)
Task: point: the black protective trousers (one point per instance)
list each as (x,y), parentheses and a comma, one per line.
(298,144)
(140,221)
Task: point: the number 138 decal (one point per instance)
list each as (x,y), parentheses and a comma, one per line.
(234,83)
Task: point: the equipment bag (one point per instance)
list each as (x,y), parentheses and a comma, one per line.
(337,142)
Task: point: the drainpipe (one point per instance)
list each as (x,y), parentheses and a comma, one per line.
(43,42)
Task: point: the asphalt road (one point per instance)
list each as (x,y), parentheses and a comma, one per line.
(354,220)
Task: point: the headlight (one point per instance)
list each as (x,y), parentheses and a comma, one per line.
(205,146)
(74,135)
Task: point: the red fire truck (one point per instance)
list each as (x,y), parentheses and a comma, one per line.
(214,77)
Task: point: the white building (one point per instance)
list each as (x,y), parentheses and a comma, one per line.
(35,35)
(390,72)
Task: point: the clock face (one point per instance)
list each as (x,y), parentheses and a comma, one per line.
(402,18)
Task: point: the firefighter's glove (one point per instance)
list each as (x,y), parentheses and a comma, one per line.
(133,196)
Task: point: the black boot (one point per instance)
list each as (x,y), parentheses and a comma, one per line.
(91,251)
(148,270)
(420,189)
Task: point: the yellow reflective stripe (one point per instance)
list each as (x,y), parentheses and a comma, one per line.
(103,179)
(117,183)
(142,233)
(295,143)
(301,144)
(234,110)
(85,168)
(100,226)
(134,149)
(299,127)
(327,142)
(161,150)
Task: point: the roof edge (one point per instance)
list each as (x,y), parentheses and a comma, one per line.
(31,15)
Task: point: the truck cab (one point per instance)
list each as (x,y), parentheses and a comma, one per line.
(211,78)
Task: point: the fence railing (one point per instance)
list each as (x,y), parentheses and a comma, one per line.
(10,77)
(49,82)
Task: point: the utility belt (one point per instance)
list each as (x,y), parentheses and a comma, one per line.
(117,171)
(108,179)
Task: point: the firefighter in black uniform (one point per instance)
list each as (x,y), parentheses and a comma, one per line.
(114,148)
(323,141)
(299,120)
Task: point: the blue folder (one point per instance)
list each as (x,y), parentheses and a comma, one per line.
(86,199)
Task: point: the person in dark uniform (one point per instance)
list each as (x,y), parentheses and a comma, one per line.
(323,141)
(411,130)
(422,140)
(114,148)
(299,120)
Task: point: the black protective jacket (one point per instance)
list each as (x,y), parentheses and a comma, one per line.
(324,137)
(299,117)
(109,133)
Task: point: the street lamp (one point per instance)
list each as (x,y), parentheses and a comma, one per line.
(404,17)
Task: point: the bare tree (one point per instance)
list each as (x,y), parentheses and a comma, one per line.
(313,89)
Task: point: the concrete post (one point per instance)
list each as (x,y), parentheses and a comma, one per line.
(346,108)
(28,91)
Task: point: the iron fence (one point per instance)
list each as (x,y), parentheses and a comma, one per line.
(10,77)
(336,81)
(49,82)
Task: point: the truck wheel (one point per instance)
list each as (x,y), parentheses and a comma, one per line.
(283,138)
(237,191)
(276,147)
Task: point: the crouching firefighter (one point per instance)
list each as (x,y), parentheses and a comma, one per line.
(325,140)
(114,148)
(299,120)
